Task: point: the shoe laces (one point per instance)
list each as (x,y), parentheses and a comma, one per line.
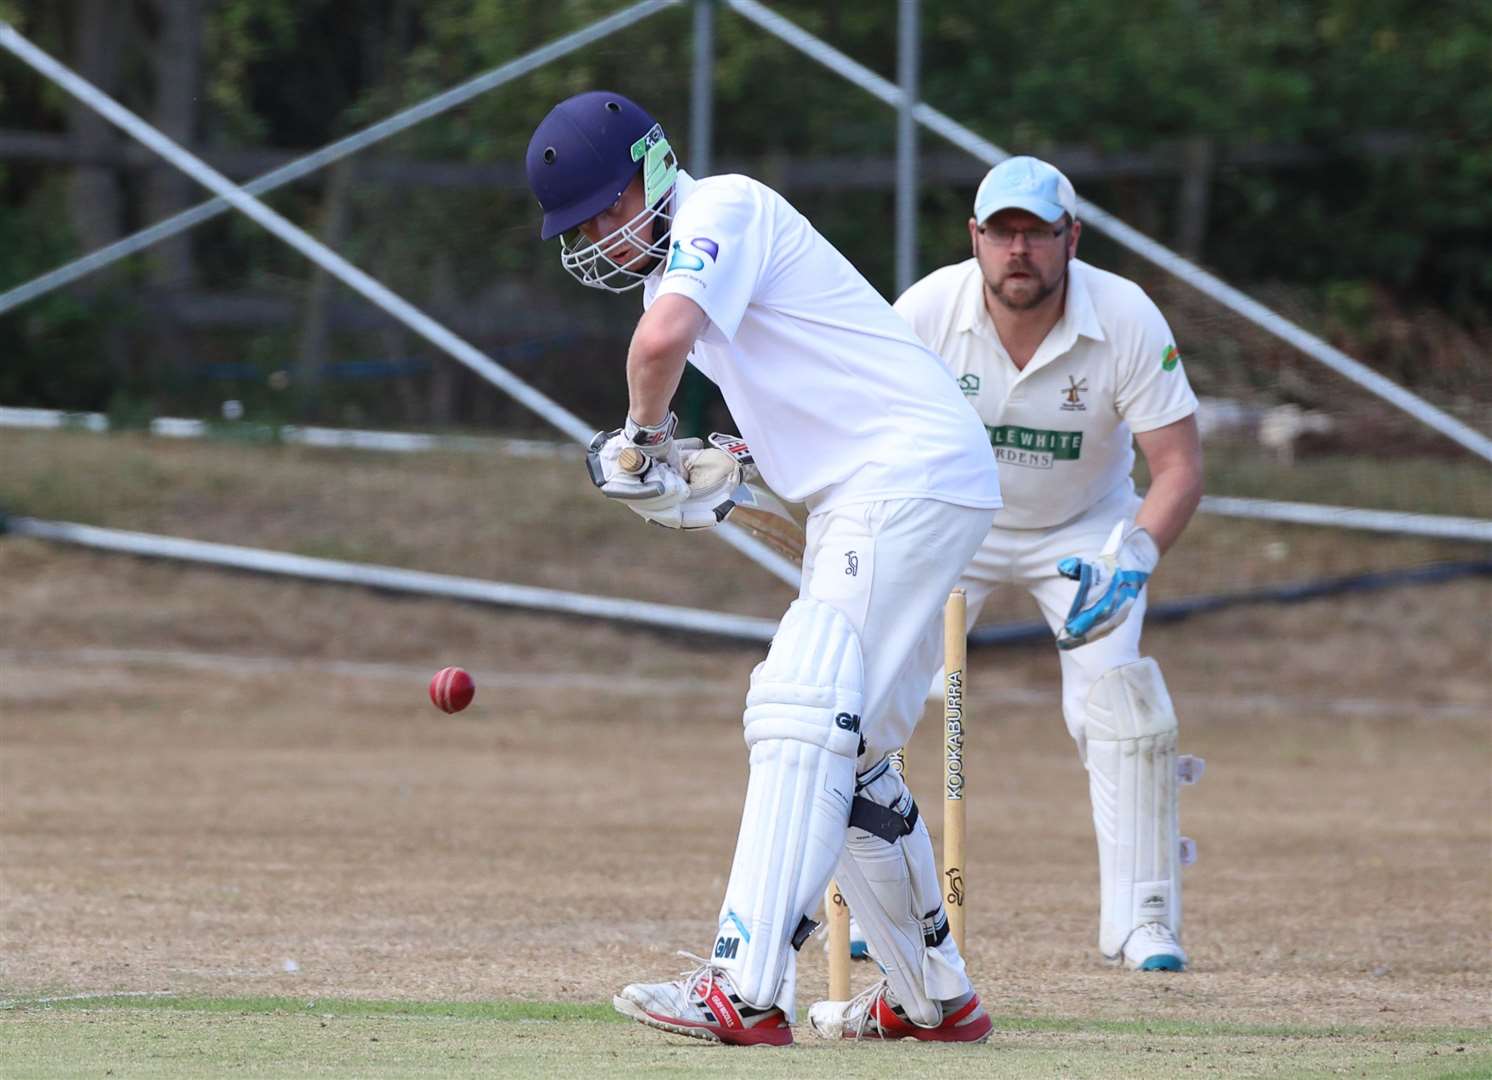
(865,1004)
(1155,934)
(701,978)
(1152,936)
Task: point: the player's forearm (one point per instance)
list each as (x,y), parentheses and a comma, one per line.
(656,358)
(651,382)
(1170,503)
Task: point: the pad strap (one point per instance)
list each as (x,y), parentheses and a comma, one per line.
(881,820)
(937,933)
(806,927)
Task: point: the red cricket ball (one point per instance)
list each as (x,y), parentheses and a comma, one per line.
(452,689)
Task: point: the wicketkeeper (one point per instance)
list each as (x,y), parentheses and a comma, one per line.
(847,412)
(1069,366)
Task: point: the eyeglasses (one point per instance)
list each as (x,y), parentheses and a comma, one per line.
(1043,236)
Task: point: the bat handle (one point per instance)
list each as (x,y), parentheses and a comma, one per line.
(632,461)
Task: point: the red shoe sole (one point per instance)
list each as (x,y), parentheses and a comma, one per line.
(976,1031)
(762,1035)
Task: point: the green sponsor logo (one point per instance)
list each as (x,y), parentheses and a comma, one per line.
(969,384)
(1033,448)
(1169,358)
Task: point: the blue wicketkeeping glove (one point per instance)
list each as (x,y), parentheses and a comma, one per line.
(1108,585)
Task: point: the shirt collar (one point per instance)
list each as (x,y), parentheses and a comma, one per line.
(1080,310)
(971,314)
(683,185)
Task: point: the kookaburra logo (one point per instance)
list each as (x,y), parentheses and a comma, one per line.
(1072,402)
(852,564)
(955,878)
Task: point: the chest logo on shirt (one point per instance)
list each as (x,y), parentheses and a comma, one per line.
(1072,400)
(687,260)
(969,384)
(852,564)
(1031,448)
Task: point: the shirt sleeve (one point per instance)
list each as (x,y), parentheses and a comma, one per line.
(717,253)
(1152,388)
(919,307)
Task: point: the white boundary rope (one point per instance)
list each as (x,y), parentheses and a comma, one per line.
(393,579)
(22,1003)
(1440,526)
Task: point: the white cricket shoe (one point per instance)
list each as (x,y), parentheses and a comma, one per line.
(874,1014)
(703,1004)
(1153,947)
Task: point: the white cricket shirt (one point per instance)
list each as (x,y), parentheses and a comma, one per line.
(837,398)
(1062,427)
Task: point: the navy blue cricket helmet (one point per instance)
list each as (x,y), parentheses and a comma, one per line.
(583,155)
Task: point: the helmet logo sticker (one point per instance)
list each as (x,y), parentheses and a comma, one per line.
(659,166)
(641,146)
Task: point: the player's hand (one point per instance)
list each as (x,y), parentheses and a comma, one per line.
(654,440)
(658,485)
(693,487)
(1108,585)
(714,480)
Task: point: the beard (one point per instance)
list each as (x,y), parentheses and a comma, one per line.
(1019,294)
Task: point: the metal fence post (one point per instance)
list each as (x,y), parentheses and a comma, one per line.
(702,92)
(906,146)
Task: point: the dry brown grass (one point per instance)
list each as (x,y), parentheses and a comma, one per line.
(205,774)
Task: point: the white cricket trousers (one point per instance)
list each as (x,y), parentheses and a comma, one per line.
(1029,558)
(889,566)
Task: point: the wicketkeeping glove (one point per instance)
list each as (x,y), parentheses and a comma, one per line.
(1108,585)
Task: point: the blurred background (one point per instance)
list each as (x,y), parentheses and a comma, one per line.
(1333,159)
(1330,159)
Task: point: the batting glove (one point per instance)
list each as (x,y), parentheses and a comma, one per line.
(654,440)
(658,487)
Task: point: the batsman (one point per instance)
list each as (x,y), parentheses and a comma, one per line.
(1068,367)
(848,413)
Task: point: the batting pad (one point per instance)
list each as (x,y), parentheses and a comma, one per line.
(894,890)
(1131,732)
(803,727)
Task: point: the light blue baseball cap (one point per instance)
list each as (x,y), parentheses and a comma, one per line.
(1025,183)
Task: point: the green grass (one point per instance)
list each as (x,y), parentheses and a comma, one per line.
(506,1011)
(172,1037)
